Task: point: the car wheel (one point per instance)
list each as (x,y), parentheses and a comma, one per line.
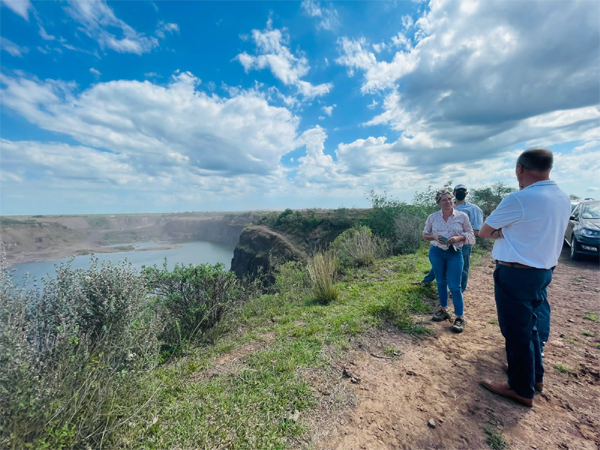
(574,249)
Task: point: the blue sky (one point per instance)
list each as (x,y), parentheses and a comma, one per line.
(167,106)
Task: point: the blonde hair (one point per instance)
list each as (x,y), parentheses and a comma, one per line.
(439,194)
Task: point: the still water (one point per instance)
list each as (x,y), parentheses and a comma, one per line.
(189,252)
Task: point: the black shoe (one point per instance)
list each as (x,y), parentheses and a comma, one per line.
(458,326)
(440,315)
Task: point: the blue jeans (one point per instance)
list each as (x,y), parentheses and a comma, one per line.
(520,294)
(466,252)
(448,270)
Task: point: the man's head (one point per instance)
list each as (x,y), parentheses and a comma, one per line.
(533,165)
(460,192)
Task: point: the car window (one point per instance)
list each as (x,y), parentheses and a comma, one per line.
(591,211)
(575,212)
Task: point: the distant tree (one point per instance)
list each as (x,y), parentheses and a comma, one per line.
(489,197)
(574,197)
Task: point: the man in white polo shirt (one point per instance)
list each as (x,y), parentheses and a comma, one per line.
(529,227)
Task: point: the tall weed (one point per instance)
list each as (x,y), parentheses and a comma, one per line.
(322,269)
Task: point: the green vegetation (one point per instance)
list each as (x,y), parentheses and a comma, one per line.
(397,222)
(493,321)
(192,299)
(561,368)
(322,269)
(494,438)
(587,333)
(593,316)
(489,197)
(357,247)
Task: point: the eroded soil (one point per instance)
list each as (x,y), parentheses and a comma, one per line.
(437,377)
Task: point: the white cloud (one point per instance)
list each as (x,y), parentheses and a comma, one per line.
(97,18)
(166,28)
(484,77)
(12,48)
(95,72)
(20,7)
(242,134)
(329,17)
(44,35)
(274,54)
(328,109)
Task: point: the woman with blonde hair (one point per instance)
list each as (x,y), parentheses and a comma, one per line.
(448,230)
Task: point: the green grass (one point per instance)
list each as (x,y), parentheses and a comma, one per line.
(592,316)
(587,333)
(493,321)
(562,369)
(494,438)
(258,398)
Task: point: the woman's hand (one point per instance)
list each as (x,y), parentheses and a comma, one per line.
(455,239)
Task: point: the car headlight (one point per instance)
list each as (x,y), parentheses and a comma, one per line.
(589,233)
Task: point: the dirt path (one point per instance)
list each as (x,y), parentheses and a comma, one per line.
(438,378)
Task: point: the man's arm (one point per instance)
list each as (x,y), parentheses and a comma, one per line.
(490,233)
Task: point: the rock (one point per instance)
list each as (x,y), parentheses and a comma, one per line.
(349,373)
(533,446)
(431,423)
(544,428)
(411,373)
(570,320)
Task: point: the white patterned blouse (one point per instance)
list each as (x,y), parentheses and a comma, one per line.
(458,224)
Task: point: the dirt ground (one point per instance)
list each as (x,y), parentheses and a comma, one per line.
(437,378)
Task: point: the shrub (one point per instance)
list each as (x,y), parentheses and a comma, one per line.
(68,352)
(322,269)
(192,299)
(357,247)
(408,232)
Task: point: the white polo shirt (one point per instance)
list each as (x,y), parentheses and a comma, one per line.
(533,223)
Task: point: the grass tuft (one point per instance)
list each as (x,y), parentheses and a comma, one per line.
(322,269)
(592,316)
(562,369)
(494,438)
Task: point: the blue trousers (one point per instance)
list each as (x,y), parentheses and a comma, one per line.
(520,294)
(448,270)
(466,251)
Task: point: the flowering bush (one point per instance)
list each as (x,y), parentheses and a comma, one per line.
(67,351)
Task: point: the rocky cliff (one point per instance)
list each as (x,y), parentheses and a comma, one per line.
(260,249)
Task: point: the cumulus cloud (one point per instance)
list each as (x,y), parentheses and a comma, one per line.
(328,109)
(20,7)
(272,47)
(483,77)
(12,48)
(161,127)
(97,18)
(329,16)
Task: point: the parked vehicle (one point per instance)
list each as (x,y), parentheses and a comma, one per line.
(583,231)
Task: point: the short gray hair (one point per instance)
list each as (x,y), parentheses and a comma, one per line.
(439,194)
